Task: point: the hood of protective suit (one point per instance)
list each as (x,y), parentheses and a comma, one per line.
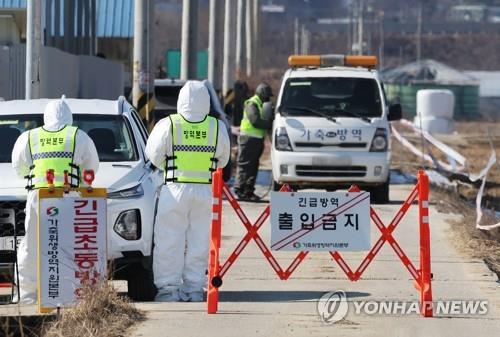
(57,114)
(194,102)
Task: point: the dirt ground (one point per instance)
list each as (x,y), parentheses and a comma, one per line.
(475,141)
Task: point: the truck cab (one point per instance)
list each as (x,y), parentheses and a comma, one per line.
(331,128)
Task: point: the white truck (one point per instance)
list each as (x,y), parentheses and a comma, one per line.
(332,128)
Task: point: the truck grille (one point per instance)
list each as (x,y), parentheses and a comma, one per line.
(330,171)
(341,145)
(12,213)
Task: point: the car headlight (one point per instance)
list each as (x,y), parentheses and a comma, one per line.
(133,192)
(379,142)
(128,224)
(281,140)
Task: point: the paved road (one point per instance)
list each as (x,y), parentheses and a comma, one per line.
(255,303)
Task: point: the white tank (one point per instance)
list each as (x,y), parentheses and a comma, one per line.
(435,103)
(435,125)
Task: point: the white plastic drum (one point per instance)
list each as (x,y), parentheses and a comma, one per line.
(435,125)
(435,103)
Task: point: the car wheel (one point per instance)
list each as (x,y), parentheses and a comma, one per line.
(141,287)
(380,194)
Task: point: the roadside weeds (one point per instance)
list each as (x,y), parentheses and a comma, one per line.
(467,238)
(100,313)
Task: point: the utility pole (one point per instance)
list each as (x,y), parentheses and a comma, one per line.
(419,31)
(33,46)
(143,89)
(360,26)
(256,36)
(240,37)
(296,39)
(248,38)
(381,42)
(226,68)
(214,38)
(305,40)
(189,46)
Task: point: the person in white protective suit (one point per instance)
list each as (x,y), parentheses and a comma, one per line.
(188,147)
(31,157)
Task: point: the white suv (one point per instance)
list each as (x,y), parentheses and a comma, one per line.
(132,182)
(331,128)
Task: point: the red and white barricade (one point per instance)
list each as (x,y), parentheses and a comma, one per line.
(421,275)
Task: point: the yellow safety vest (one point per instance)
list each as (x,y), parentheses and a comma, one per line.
(193,150)
(52,150)
(246,128)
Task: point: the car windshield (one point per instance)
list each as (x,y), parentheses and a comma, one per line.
(335,97)
(111,134)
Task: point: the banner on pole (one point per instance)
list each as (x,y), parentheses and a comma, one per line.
(72,247)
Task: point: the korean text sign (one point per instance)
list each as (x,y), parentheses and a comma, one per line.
(329,221)
(71,245)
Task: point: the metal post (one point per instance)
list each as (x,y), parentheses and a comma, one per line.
(296,40)
(143,86)
(71,31)
(33,46)
(77,48)
(240,36)
(86,28)
(248,37)
(214,38)
(49,41)
(419,31)
(66,24)
(93,32)
(256,36)
(381,42)
(226,74)
(361,14)
(189,39)
(57,24)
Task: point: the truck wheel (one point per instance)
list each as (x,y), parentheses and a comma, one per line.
(276,186)
(141,287)
(380,194)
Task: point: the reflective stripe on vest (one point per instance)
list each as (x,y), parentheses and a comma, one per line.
(246,128)
(52,150)
(193,150)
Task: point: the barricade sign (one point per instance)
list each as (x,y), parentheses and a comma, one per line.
(72,246)
(421,275)
(320,221)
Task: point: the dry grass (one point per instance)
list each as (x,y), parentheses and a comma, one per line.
(476,147)
(467,238)
(100,313)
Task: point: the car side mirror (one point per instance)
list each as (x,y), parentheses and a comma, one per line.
(395,112)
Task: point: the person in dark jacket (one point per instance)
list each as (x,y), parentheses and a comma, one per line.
(251,142)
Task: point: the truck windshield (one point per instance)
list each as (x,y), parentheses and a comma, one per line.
(335,97)
(111,134)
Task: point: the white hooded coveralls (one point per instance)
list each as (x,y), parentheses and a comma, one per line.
(181,234)
(57,114)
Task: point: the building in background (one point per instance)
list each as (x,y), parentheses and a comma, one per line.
(403,83)
(69,48)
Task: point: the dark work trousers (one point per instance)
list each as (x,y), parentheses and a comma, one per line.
(249,151)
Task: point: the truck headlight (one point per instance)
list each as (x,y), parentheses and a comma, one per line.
(128,224)
(379,142)
(281,140)
(133,192)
